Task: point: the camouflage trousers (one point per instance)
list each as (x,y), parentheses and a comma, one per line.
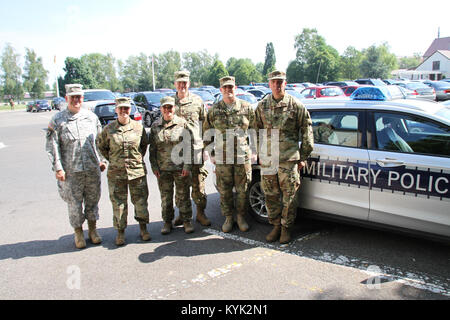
(81,188)
(280,191)
(199,174)
(166,183)
(238,176)
(118,194)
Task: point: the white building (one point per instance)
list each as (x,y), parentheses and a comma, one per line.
(437,65)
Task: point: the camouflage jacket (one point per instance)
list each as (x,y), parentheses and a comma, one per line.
(293,122)
(70,142)
(171,145)
(230,123)
(124,146)
(192,110)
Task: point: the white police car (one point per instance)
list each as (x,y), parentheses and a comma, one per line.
(378,161)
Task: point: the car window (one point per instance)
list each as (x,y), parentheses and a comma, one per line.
(154,97)
(336,127)
(331,92)
(98,95)
(411,134)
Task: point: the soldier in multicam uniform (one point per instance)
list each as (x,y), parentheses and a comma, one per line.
(77,163)
(284,113)
(123,143)
(231,118)
(191,108)
(167,134)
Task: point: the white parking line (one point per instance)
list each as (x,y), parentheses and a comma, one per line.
(416,280)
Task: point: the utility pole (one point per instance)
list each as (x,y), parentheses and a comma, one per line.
(153,72)
(56,77)
(318,71)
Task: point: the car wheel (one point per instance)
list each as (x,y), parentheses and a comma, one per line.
(148,120)
(257,200)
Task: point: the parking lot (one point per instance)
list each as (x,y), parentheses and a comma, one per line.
(325,261)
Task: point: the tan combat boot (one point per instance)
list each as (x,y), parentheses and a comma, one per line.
(188,227)
(93,235)
(201,217)
(120,239)
(228,224)
(242,224)
(274,235)
(145,235)
(80,243)
(166,228)
(285,235)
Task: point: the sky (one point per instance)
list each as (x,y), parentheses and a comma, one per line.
(232,28)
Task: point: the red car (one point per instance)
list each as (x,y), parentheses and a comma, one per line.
(323,92)
(348,90)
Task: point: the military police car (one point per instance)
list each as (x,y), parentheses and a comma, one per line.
(378,161)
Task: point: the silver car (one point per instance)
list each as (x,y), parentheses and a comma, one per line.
(442,89)
(420,90)
(381,163)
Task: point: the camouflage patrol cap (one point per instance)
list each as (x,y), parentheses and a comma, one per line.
(74,89)
(167,100)
(182,76)
(123,102)
(227,81)
(277,74)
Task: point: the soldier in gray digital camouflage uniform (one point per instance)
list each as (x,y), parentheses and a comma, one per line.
(230,119)
(171,160)
(76,162)
(123,143)
(191,108)
(286,115)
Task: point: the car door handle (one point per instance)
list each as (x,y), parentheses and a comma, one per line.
(390,162)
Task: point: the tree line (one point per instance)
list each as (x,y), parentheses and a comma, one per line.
(315,62)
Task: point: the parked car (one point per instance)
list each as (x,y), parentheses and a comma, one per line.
(56,103)
(93,97)
(383,164)
(342,83)
(150,101)
(249,98)
(348,90)
(372,82)
(207,97)
(106,112)
(295,86)
(442,89)
(322,92)
(41,105)
(421,90)
(30,106)
(258,93)
(294,93)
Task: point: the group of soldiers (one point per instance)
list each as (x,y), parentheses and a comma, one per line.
(179,143)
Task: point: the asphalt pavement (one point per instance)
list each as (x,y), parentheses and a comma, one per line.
(326,261)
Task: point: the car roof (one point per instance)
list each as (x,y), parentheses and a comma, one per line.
(92,90)
(419,107)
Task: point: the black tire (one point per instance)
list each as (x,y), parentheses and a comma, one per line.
(256,199)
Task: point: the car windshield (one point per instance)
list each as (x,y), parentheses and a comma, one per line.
(442,84)
(98,95)
(248,97)
(205,95)
(416,85)
(331,92)
(296,94)
(154,97)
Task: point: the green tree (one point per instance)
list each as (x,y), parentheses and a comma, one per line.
(165,67)
(35,76)
(410,62)
(350,64)
(78,71)
(294,72)
(269,61)
(103,70)
(128,72)
(315,60)
(243,70)
(217,71)
(198,64)
(11,73)
(378,62)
